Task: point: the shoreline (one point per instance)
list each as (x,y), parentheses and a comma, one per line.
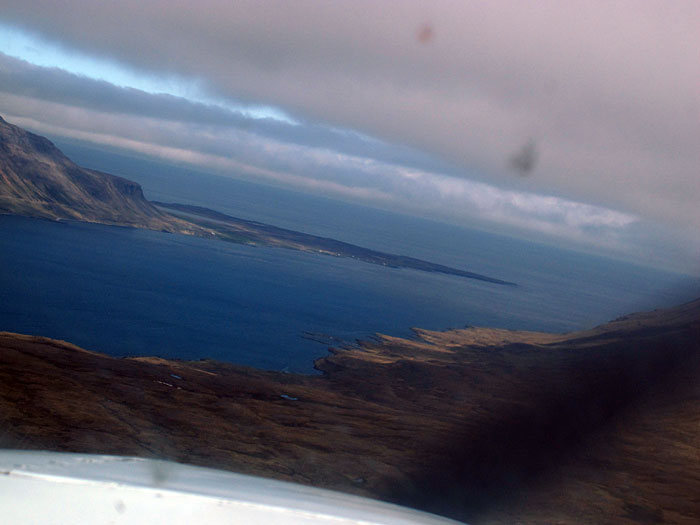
(521,422)
(242,231)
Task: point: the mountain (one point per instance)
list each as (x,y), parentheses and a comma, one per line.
(483,425)
(38,180)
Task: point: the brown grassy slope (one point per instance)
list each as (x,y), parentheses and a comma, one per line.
(54,396)
(483,425)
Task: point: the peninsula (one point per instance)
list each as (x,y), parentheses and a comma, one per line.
(232,229)
(38,180)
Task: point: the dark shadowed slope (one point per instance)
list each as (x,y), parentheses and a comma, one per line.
(37,180)
(485,425)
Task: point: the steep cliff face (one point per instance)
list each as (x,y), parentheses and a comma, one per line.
(38,180)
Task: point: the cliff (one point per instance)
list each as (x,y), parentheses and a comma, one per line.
(38,180)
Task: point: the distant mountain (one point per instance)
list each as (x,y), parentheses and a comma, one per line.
(38,180)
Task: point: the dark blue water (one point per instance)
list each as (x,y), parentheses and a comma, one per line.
(128,292)
(134,292)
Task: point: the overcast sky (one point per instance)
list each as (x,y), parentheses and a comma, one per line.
(578,121)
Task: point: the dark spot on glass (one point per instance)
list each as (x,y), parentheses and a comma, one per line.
(425,34)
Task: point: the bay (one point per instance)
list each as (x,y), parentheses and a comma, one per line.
(135,292)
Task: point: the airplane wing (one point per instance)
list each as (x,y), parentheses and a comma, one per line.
(53,487)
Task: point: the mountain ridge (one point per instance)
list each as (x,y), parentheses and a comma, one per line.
(38,180)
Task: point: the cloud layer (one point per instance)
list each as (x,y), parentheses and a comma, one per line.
(604,96)
(303,155)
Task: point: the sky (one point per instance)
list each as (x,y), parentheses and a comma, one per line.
(573,122)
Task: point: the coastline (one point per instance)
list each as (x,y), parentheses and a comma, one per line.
(242,231)
(492,425)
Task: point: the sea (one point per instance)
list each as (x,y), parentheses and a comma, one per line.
(127,292)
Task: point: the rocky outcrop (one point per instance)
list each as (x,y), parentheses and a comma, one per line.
(38,180)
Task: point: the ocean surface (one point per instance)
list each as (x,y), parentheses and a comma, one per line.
(134,292)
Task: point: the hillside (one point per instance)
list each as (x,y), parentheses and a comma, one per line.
(38,180)
(484,425)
